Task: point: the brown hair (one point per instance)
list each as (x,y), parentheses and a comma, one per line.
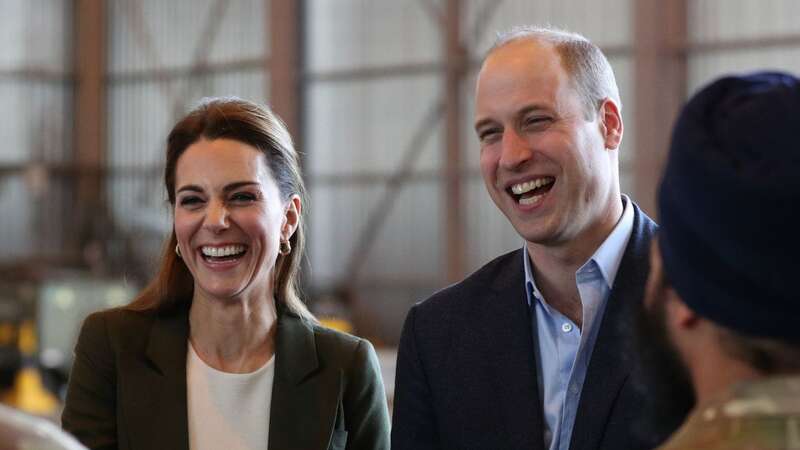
(259,127)
(585,63)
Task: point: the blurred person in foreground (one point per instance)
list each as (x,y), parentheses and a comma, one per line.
(219,351)
(529,351)
(20,431)
(720,325)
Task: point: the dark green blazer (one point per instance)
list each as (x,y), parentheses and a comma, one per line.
(127,389)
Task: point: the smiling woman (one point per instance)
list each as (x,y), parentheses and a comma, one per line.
(219,351)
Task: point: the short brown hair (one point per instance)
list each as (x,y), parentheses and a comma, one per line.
(259,127)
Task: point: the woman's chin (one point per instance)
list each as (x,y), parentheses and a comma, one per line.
(223,293)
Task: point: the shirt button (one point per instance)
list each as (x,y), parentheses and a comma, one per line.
(566,328)
(574,389)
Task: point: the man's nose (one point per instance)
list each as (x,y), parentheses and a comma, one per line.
(216,219)
(514,150)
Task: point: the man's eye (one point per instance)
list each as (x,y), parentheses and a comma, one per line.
(536,121)
(488,135)
(243,197)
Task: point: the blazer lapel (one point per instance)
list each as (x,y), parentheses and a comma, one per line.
(609,366)
(304,398)
(502,347)
(154,393)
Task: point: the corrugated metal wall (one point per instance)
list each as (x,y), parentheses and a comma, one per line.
(35,124)
(372,78)
(374,135)
(742,35)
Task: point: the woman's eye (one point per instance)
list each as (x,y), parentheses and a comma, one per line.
(190,201)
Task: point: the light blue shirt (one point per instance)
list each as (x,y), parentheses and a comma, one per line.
(564,349)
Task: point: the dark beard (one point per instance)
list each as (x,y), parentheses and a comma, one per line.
(659,374)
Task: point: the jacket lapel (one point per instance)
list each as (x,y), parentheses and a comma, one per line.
(609,366)
(304,397)
(154,393)
(502,354)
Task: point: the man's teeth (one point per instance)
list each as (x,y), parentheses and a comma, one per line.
(527,186)
(530,200)
(228,250)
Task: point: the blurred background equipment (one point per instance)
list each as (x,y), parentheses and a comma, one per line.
(39,323)
(378,96)
(19,431)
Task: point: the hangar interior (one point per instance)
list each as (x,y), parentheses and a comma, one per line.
(378,96)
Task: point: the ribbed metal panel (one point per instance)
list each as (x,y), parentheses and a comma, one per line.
(719,20)
(606,23)
(366,126)
(738,35)
(35,124)
(343,34)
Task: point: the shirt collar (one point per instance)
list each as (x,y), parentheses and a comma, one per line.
(607,257)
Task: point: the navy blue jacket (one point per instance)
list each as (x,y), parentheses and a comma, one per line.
(466,369)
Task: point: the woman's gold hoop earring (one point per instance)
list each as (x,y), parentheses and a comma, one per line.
(178,250)
(285,248)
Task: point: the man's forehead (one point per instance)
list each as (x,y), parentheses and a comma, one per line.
(523,51)
(518,75)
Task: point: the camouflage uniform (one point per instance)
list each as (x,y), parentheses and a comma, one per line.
(757,415)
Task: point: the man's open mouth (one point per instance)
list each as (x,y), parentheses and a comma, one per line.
(530,192)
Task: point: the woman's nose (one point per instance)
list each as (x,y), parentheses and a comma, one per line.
(216,219)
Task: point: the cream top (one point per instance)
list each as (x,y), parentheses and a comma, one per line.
(228,410)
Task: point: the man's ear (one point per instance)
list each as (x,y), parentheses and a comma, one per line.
(678,313)
(610,124)
(291,218)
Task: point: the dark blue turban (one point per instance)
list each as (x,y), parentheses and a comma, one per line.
(729,205)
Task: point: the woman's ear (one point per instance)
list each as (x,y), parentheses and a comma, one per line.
(291,218)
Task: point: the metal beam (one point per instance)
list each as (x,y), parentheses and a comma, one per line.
(759,43)
(380,213)
(35,74)
(177,73)
(284,64)
(379,178)
(660,88)
(456,58)
(90,114)
(369,73)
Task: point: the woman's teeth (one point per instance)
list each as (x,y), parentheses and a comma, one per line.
(218,252)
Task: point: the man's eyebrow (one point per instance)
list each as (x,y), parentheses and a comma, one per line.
(534,107)
(483,122)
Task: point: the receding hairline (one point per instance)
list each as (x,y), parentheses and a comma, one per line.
(537,34)
(586,65)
